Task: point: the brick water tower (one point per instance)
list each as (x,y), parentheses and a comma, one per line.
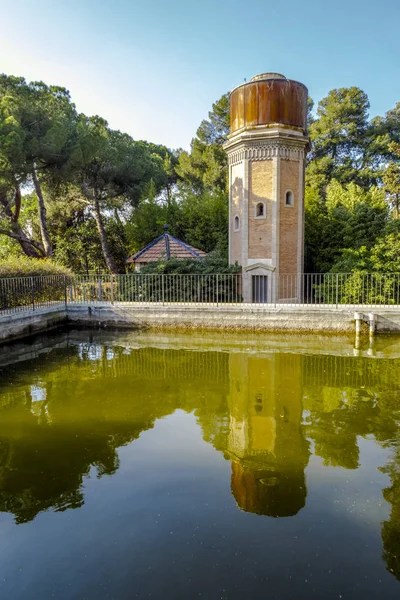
(266,155)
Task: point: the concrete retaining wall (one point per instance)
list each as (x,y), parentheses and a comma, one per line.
(24,324)
(228,318)
(249,318)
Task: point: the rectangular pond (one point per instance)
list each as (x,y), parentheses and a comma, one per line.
(143,465)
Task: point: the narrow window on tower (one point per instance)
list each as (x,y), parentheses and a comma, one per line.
(261,212)
(236,228)
(289,198)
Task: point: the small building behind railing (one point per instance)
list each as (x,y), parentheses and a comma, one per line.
(164,247)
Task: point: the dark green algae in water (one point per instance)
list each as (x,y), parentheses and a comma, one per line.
(185,466)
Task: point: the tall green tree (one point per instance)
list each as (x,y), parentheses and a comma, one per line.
(205,167)
(110,170)
(346,216)
(391,178)
(39,123)
(215,129)
(341,137)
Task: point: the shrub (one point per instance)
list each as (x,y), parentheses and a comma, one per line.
(39,282)
(214,262)
(29,267)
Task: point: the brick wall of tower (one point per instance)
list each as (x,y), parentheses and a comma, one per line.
(236,198)
(260,188)
(288,228)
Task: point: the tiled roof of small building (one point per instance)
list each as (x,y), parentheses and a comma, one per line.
(165,246)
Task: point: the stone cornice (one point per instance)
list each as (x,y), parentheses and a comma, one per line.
(264,150)
(266,143)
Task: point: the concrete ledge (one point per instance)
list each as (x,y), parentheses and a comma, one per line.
(23,324)
(233,317)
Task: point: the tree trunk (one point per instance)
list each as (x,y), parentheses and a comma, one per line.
(44,232)
(29,247)
(118,218)
(111,265)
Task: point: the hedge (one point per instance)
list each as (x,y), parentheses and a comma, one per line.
(30,267)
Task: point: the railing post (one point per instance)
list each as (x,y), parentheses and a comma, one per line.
(99,290)
(65,291)
(33,292)
(112,288)
(217,288)
(337,290)
(162,287)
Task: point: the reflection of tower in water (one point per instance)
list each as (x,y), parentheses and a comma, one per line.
(266,443)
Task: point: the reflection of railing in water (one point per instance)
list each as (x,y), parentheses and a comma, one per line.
(353,372)
(328,370)
(112,362)
(157,363)
(182,365)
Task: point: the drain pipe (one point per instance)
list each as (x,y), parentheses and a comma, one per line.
(372,324)
(371,349)
(372,329)
(357,318)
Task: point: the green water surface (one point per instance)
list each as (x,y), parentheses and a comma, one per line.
(199,466)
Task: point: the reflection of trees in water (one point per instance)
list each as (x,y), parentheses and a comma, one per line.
(95,399)
(43,461)
(338,415)
(391,528)
(73,410)
(45,468)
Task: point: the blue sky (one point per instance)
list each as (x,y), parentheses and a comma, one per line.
(153,68)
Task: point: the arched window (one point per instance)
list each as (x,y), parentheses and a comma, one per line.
(289,198)
(236,224)
(260,211)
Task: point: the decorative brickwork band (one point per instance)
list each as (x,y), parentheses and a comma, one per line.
(264,151)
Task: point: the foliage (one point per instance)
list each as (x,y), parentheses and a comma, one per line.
(37,135)
(341,139)
(215,262)
(46,144)
(179,287)
(205,167)
(80,250)
(198,219)
(216,129)
(147,221)
(391,181)
(203,220)
(182,282)
(382,257)
(72,187)
(24,266)
(39,281)
(391,176)
(347,217)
